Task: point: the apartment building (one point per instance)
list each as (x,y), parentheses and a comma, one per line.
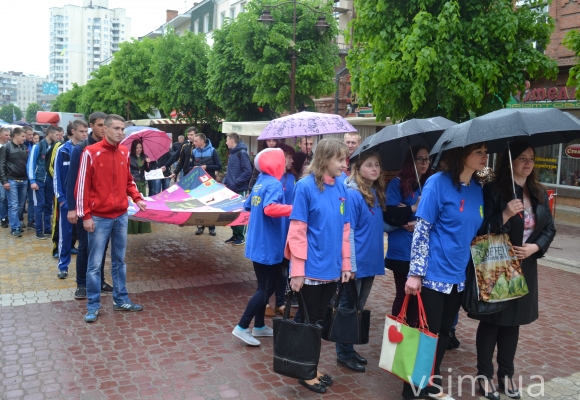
(82,36)
(19,89)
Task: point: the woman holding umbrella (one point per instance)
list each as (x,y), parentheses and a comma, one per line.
(529,224)
(448,218)
(139,163)
(403,196)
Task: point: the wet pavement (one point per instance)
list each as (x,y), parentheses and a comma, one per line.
(194,289)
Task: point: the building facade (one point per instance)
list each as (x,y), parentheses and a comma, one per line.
(20,90)
(82,36)
(558,165)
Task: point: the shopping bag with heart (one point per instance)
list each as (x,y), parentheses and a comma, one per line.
(409,353)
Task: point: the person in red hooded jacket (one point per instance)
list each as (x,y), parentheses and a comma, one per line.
(103,184)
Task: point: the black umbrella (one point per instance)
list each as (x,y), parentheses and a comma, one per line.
(393,142)
(538,127)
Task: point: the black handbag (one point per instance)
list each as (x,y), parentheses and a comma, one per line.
(346,325)
(296,345)
(471,302)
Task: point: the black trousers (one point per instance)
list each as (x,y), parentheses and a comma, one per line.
(506,339)
(441,310)
(412,310)
(317,299)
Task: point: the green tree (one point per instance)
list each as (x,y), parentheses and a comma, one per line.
(266,53)
(31,111)
(423,58)
(179,77)
(229,84)
(572,42)
(68,101)
(8,111)
(131,71)
(101,94)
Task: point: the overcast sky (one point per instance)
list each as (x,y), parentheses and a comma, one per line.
(24,41)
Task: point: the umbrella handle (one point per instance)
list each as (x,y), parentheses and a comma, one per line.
(415,166)
(512,174)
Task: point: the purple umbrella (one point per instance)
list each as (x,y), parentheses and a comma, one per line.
(305,124)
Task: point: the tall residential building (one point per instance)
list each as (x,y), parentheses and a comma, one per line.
(80,37)
(19,89)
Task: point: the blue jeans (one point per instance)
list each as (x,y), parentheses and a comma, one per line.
(16,200)
(116,230)
(83,256)
(363,286)
(267,276)
(30,195)
(42,199)
(3,203)
(64,238)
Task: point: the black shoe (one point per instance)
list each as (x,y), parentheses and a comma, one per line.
(326,380)
(16,233)
(81,292)
(514,392)
(453,341)
(408,393)
(4,223)
(48,232)
(360,359)
(62,274)
(106,288)
(199,231)
(31,225)
(40,236)
(317,387)
(212,232)
(492,394)
(352,364)
(230,240)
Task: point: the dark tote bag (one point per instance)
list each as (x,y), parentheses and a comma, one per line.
(346,325)
(296,345)
(471,302)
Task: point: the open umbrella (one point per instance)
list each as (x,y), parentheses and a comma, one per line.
(394,141)
(538,127)
(155,142)
(21,123)
(2,122)
(305,124)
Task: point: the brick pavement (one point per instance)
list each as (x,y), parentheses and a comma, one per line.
(194,289)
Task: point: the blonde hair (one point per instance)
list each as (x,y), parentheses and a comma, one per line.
(364,186)
(326,150)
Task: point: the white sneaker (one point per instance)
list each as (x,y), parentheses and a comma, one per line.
(244,334)
(263,332)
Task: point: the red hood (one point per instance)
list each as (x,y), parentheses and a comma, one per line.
(271,162)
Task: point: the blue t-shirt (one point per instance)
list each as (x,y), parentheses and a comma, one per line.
(341,178)
(326,214)
(456,216)
(367,223)
(288,183)
(400,239)
(266,237)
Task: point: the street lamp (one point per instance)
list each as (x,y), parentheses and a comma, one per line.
(321,26)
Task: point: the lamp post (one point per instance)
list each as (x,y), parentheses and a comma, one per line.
(321,25)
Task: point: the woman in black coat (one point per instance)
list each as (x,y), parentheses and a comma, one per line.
(528,222)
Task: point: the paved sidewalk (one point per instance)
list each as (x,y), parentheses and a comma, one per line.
(194,289)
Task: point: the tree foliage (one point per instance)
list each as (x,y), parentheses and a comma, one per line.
(68,101)
(8,111)
(423,58)
(572,42)
(179,77)
(229,85)
(131,72)
(31,111)
(266,52)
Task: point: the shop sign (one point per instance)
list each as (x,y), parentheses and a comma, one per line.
(573,151)
(546,97)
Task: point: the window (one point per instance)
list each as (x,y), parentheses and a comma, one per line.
(88,70)
(232,13)
(88,34)
(243,6)
(196,26)
(122,25)
(88,63)
(66,39)
(89,20)
(66,68)
(89,27)
(66,25)
(105,36)
(206,23)
(66,17)
(106,29)
(106,22)
(88,48)
(222,18)
(89,42)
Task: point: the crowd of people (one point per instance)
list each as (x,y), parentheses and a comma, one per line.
(316,222)
(324,227)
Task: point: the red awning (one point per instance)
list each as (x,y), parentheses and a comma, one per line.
(45,117)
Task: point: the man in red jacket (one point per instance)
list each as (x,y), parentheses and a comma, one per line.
(103,184)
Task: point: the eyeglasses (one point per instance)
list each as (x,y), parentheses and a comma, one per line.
(421,160)
(526,160)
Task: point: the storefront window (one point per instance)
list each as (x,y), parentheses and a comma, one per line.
(547,163)
(570,166)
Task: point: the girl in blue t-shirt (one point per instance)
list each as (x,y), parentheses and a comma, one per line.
(318,239)
(403,197)
(448,218)
(264,241)
(366,203)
